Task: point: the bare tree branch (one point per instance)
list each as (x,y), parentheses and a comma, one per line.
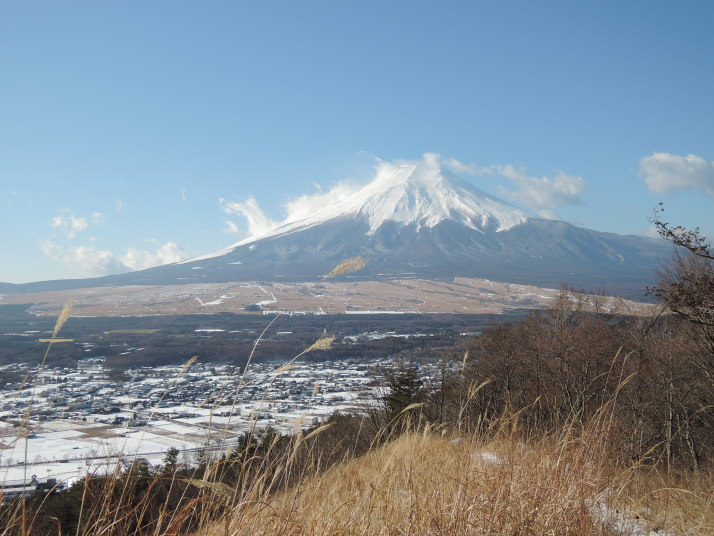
(693,240)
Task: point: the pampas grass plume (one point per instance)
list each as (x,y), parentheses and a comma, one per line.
(62,318)
(351,265)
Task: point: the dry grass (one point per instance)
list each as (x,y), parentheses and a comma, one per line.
(683,504)
(426,484)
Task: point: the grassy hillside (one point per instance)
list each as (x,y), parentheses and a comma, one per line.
(420,483)
(427,484)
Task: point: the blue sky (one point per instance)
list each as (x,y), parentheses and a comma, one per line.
(127,129)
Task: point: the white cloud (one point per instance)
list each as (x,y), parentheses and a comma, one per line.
(183,192)
(665,172)
(119,205)
(231,228)
(90,260)
(139,259)
(305,205)
(650,232)
(544,194)
(462,168)
(69,224)
(295,210)
(258,222)
(85,259)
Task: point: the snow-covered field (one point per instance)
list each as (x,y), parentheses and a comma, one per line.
(67,455)
(66,423)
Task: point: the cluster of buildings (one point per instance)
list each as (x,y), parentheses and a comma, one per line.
(58,424)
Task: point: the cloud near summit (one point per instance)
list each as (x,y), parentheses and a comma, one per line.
(295,209)
(542,194)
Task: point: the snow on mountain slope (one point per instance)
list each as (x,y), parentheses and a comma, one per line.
(422,193)
(426,194)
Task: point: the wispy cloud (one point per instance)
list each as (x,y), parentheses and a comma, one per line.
(8,197)
(307,204)
(665,172)
(650,232)
(544,194)
(462,168)
(139,259)
(258,222)
(90,260)
(183,193)
(231,228)
(87,260)
(295,209)
(67,223)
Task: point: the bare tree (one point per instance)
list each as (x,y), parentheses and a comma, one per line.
(686,285)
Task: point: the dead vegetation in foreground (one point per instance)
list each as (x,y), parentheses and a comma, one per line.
(410,480)
(427,484)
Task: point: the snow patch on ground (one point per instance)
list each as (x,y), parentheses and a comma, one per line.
(266,302)
(367,312)
(621,522)
(488,457)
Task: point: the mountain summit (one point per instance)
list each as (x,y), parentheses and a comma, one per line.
(417,220)
(422,194)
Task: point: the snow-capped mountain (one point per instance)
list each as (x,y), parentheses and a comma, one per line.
(423,194)
(419,220)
